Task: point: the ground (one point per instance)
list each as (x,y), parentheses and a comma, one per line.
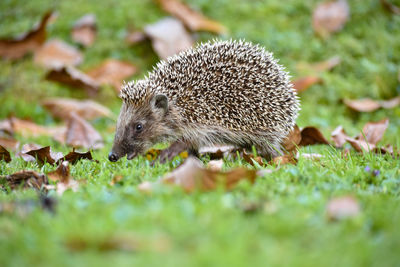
(172,228)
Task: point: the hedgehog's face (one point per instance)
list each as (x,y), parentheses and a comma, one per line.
(139,127)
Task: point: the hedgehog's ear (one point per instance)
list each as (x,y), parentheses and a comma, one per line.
(161,101)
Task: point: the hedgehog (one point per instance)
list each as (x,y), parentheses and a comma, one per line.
(220,92)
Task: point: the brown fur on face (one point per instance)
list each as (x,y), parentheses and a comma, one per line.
(154,116)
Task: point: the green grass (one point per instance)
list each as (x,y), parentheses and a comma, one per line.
(172,228)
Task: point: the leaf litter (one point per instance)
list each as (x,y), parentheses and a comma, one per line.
(85,30)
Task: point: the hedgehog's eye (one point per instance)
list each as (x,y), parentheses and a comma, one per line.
(139,127)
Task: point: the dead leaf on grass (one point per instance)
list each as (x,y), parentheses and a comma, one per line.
(168,37)
(373,132)
(192,19)
(28,128)
(73,157)
(112,72)
(312,136)
(85,30)
(56,54)
(25,179)
(390,7)
(87,109)
(81,134)
(26,43)
(369,105)
(63,176)
(251,159)
(330,17)
(215,165)
(292,141)
(339,136)
(74,78)
(342,208)
(283,160)
(306,82)
(43,155)
(4,154)
(191,176)
(177,148)
(217,151)
(9,143)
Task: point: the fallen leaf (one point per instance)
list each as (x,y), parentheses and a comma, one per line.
(4,154)
(391,103)
(339,136)
(390,7)
(56,54)
(85,30)
(44,154)
(193,20)
(249,158)
(169,153)
(304,83)
(325,65)
(215,165)
(135,37)
(217,151)
(191,175)
(312,136)
(25,179)
(330,17)
(373,132)
(28,128)
(9,143)
(362,105)
(65,181)
(112,72)
(26,43)
(73,157)
(168,37)
(360,145)
(81,134)
(283,160)
(75,78)
(87,109)
(342,207)
(292,141)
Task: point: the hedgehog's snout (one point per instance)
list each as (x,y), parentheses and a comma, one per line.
(112,157)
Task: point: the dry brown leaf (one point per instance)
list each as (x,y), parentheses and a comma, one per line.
(28,128)
(390,103)
(292,141)
(342,208)
(56,54)
(168,37)
(373,132)
(312,136)
(215,165)
(193,20)
(81,134)
(75,78)
(390,7)
(339,136)
(135,37)
(249,158)
(65,181)
(362,105)
(73,157)
(26,179)
(4,154)
(217,151)
(85,30)
(26,43)
(330,17)
(112,72)
(285,159)
(191,176)
(360,145)
(9,143)
(43,155)
(87,109)
(175,149)
(304,83)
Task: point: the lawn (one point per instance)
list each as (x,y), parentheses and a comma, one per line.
(280,220)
